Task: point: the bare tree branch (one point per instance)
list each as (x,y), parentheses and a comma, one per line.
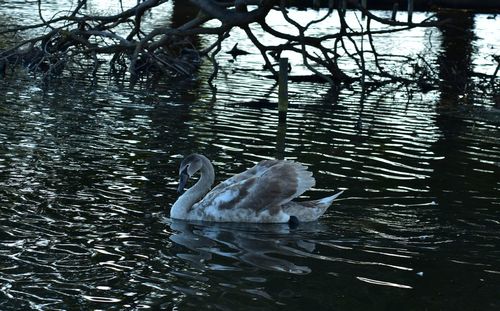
(78,38)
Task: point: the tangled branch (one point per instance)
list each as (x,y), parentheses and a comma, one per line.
(81,38)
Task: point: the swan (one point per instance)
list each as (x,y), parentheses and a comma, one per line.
(261,194)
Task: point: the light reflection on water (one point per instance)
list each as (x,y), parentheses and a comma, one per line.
(87,176)
(85,205)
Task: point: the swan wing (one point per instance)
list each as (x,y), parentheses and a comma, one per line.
(264,187)
(255,171)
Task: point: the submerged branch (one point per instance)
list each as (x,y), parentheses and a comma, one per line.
(81,38)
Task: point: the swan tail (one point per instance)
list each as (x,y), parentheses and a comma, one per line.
(310,210)
(327,201)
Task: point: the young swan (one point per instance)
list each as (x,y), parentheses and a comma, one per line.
(261,194)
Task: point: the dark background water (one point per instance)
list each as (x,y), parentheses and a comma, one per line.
(88,174)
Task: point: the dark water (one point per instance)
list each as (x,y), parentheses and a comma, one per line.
(88,173)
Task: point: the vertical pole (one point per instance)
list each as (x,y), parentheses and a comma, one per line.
(363,5)
(394,11)
(283,89)
(280,141)
(410,10)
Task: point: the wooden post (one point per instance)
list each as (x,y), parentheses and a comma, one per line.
(280,141)
(410,10)
(394,11)
(283,89)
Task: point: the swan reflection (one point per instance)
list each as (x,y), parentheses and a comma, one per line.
(260,245)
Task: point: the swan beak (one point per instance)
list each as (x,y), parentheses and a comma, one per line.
(183,178)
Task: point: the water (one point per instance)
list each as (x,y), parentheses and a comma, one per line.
(88,173)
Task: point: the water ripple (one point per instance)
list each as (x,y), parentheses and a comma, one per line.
(87,176)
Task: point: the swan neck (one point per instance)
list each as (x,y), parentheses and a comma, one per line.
(206,180)
(185,202)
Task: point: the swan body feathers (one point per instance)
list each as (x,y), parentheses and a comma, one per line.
(261,194)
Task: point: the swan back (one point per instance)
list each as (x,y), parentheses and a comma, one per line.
(256,195)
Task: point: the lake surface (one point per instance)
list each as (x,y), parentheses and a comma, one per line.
(88,174)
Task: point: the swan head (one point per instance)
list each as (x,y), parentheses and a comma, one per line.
(189,166)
